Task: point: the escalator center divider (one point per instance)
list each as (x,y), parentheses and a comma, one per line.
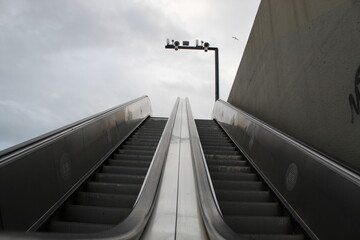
(109,194)
(246,203)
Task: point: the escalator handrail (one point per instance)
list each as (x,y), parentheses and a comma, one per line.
(212,217)
(29,145)
(133,226)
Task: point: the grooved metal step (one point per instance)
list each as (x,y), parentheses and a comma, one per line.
(124,170)
(119,178)
(243,196)
(229,169)
(234,176)
(227,162)
(105,199)
(259,225)
(238,185)
(250,208)
(77,227)
(129,163)
(245,203)
(119,188)
(108,196)
(132,156)
(92,214)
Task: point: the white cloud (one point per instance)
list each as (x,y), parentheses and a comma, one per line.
(61,61)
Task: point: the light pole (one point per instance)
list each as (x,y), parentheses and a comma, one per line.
(202,46)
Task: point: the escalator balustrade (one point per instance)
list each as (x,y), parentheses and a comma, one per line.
(247,204)
(108,196)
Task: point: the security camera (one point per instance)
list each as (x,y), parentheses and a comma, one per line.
(206,46)
(176,44)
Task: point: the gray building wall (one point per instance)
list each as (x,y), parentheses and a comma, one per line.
(299,70)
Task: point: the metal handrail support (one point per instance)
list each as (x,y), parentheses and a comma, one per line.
(176,214)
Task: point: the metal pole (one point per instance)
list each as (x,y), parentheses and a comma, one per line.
(216,74)
(216,50)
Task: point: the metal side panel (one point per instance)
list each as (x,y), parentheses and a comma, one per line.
(322,195)
(36,176)
(176,213)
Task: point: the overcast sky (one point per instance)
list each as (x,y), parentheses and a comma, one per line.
(61,61)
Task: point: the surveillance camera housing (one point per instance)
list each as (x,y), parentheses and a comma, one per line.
(206,46)
(176,44)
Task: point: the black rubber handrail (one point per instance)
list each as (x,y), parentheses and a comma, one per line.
(212,217)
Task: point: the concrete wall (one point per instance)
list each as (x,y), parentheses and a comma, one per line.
(299,71)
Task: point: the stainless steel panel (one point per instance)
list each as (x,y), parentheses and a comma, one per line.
(162,223)
(323,196)
(189,220)
(176,214)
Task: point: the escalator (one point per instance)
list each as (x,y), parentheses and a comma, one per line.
(248,206)
(109,194)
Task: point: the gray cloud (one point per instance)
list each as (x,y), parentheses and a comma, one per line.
(61,61)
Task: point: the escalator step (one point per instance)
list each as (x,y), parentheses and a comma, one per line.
(233,176)
(229,169)
(118,188)
(227,162)
(214,138)
(93,214)
(124,170)
(105,199)
(259,225)
(137,157)
(140,143)
(214,141)
(222,157)
(145,137)
(149,140)
(217,144)
(250,209)
(214,147)
(75,227)
(136,152)
(147,132)
(238,185)
(140,147)
(273,237)
(119,178)
(243,196)
(128,163)
(222,152)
